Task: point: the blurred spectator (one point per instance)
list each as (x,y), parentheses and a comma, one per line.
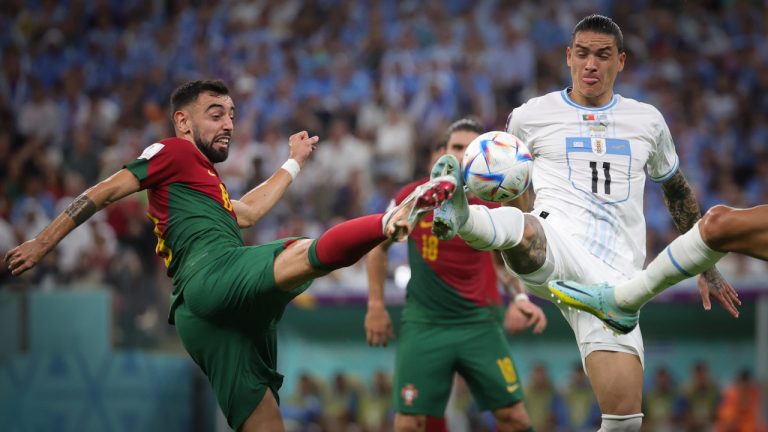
(303,410)
(395,141)
(376,404)
(545,405)
(340,407)
(740,408)
(583,411)
(663,404)
(702,396)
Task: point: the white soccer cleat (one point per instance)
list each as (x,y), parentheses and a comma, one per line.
(400,221)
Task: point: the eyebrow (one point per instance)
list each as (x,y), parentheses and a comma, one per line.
(218,105)
(586,48)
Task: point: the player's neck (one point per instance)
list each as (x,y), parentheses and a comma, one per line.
(595,102)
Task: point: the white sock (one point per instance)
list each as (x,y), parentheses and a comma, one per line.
(493,229)
(621,423)
(685,257)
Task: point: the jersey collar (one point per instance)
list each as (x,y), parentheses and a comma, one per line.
(567,98)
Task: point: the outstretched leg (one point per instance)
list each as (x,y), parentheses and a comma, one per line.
(347,242)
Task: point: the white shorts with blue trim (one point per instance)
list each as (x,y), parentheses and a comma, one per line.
(568,259)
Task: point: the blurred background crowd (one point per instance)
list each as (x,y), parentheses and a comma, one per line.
(690,403)
(84,87)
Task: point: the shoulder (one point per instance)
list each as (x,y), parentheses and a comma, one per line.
(640,108)
(532,107)
(176,145)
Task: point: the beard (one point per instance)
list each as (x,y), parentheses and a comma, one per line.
(206,147)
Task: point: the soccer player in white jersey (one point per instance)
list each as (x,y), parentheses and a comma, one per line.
(591,150)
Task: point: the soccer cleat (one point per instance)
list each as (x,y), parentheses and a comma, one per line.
(450,216)
(597,299)
(400,221)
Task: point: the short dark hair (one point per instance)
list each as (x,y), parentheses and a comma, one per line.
(599,24)
(188,92)
(466,124)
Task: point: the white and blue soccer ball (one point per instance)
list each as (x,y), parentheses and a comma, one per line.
(497,166)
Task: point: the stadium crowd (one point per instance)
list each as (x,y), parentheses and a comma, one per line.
(694,403)
(84,87)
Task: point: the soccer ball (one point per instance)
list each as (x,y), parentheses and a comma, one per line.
(497,166)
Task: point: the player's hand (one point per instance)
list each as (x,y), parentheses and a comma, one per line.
(24,257)
(711,283)
(522,315)
(378,326)
(301,145)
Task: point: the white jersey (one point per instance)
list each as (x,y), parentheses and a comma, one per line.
(589,169)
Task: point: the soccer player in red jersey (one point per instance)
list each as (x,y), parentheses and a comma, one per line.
(452,320)
(228,297)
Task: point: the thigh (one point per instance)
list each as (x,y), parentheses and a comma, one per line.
(485,362)
(424,362)
(240,366)
(239,282)
(617,380)
(265,418)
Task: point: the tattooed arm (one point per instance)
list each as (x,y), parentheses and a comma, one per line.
(684,209)
(25,256)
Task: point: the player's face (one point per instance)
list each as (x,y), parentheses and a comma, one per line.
(595,62)
(458,142)
(212,124)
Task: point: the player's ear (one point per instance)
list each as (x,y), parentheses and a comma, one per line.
(622,59)
(181,121)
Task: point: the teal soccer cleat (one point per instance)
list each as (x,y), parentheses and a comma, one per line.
(598,300)
(454,212)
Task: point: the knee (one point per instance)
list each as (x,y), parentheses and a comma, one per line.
(513,418)
(715,226)
(410,423)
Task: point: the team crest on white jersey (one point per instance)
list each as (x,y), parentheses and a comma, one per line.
(598,146)
(151,151)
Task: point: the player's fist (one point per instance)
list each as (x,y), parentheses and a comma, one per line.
(301,145)
(378,326)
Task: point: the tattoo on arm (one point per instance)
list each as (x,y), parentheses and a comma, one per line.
(530,254)
(681,202)
(80,209)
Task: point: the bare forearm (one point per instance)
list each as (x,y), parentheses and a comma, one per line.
(377,263)
(77,212)
(681,202)
(261,199)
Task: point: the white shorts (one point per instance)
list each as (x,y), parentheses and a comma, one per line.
(568,259)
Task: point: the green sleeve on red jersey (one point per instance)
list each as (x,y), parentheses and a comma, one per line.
(154,166)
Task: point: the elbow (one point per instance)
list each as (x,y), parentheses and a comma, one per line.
(247,219)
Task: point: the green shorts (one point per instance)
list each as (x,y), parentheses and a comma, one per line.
(427,356)
(227,320)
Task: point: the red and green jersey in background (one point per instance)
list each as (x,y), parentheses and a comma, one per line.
(450,281)
(189,206)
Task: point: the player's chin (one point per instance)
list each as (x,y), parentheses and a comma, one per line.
(220,154)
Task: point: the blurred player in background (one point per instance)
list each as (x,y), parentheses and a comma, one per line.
(721,230)
(228,297)
(591,150)
(452,320)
